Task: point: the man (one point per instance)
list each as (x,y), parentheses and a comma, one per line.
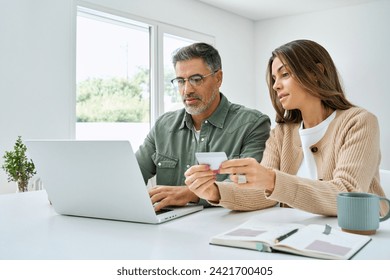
(208,123)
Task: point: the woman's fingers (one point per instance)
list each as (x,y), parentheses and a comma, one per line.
(239,166)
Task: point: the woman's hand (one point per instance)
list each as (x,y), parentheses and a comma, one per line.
(255,174)
(201,180)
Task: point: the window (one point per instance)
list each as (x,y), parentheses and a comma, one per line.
(123,77)
(113,66)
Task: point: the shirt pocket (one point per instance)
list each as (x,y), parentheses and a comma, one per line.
(163,161)
(166,171)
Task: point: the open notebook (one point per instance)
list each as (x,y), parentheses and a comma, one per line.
(98,179)
(313,240)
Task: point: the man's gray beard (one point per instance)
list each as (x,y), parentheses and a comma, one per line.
(199,110)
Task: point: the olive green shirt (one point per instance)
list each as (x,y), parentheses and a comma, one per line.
(169,148)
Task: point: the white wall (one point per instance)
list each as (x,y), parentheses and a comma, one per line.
(36,86)
(37,60)
(358,39)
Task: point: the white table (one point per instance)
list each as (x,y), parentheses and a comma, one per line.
(31,229)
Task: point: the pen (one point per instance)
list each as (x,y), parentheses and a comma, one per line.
(284,236)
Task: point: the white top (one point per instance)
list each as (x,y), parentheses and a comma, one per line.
(309,137)
(197,134)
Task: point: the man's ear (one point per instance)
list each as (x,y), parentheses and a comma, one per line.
(219,76)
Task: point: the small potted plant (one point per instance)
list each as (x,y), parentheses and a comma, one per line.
(17,166)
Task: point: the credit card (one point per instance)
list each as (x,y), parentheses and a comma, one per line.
(214,159)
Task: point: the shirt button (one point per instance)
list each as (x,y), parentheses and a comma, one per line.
(159,164)
(314,149)
(188,166)
(206,122)
(202,139)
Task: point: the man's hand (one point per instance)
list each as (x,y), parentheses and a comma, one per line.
(171,196)
(201,180)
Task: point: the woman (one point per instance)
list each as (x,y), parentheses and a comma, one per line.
(322,144)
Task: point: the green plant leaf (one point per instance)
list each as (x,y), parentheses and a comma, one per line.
(16,164)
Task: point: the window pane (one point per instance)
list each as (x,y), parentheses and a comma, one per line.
(172,99)
(113,96)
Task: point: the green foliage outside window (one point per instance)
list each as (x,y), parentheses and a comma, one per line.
(169,90)
(114,99)
(119,99)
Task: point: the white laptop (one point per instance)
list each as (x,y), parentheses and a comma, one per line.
(98,179)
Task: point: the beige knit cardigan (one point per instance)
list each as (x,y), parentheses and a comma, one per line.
(347,159)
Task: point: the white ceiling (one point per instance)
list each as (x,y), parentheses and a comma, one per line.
(265,9)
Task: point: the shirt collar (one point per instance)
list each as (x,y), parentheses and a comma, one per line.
(217,118)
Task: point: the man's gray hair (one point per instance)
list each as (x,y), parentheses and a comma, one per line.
(199,50)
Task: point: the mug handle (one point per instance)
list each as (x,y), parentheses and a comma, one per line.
(385,217)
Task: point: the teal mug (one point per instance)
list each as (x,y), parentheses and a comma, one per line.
(360,212)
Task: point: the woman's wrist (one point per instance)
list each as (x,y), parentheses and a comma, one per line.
(271,175)
(216,196)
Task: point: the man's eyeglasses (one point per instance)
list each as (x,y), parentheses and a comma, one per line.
(194,80)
